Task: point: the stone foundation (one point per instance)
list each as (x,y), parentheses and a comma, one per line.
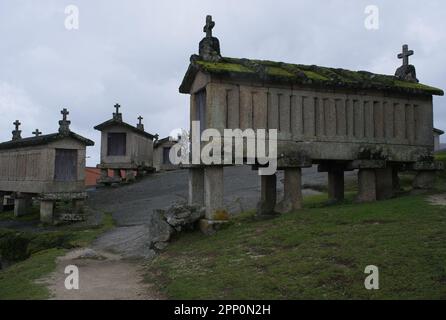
(366,185)
(22,204)
(292,199)
(268,195)
(424,180)
(47,211)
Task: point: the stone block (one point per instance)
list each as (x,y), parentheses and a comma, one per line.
(22,205)
(366,185)
(213,193)
(47,211)
(292,191)
(196,186)
(129,176)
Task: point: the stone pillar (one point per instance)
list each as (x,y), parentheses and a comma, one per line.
(216,215)
(78,206)
(292,198)
(2,201)
(395,180)
(366,185)
(335,184)
(22,204)
(104,174)
(213,193)
(46,211)
(117,174)
(384,183)
(424,180)
(129,175)
(268,189)
(196,186)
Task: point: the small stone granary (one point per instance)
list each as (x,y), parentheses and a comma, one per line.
(339,119)
(161,159)
(124,148)
(48,168)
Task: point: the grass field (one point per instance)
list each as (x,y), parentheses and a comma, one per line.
(37,253)
(319,252)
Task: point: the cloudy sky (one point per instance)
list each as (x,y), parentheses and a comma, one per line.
(136,52)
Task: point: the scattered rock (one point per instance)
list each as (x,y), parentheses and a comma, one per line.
(178,217)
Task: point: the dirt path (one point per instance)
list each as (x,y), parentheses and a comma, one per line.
(102,276)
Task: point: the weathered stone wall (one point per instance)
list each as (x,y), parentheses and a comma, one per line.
(31,169)
(336,123)
(139,150)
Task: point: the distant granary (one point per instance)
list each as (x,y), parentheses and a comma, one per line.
(161,159)
(48,168)
(124,148)
(339,119)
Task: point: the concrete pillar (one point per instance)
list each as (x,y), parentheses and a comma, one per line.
(46,211)
(117,173)
(129,175)
(213,193)
(196,186)
(292,198)
(384,183)
(22,204)
(366,185)
(335,184)
(268,196)
(424,180)
(78,206)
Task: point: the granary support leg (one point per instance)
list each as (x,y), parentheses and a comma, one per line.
(196,186)
(292,199)
(384,183)
(335,184)
(268,195)
(2,201)
(22,204)
(46,211)
(366,185)
(117,175)
(129,175)
(213,199)
(78,206)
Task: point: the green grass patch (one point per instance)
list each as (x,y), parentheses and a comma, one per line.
(37,253)
(319,252)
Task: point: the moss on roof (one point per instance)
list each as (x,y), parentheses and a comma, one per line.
(263,70)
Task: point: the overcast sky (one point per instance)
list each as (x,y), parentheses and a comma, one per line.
(136,52)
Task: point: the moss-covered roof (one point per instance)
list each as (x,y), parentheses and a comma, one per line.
(42,140)
(309,75)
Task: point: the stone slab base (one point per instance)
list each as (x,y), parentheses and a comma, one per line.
(210,227)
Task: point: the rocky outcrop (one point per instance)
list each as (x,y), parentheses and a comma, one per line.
(177,218)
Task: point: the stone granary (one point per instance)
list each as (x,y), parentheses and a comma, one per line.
(124,148)
(339,119)
(48,168)
(161,159)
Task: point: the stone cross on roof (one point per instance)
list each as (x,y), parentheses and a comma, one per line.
(405,55)
(117,115)
(209,26)
(37,133)
(64,124)
(16,134)
(140,124)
